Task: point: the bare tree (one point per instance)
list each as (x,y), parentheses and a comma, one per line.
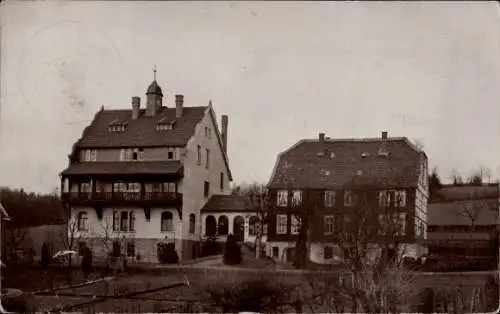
(114,240)
(456,177)
(70,236)
(370,242)
(258,200)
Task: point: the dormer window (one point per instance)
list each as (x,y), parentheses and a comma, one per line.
(383,152)
(164,124)
(117,126)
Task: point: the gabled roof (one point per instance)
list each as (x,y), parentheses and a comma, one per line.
(450,193)
(136,167)
(485,212)
(141,132)
(228,203)
(457,202)
(335,163)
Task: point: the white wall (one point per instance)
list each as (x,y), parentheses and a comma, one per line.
(231,216)
(143,229)
(192,186)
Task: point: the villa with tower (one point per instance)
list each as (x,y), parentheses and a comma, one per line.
(138,177)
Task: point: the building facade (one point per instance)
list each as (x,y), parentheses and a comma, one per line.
(463,225)
(233,214)
(139,177)
(324,177)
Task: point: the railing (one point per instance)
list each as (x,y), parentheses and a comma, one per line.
(121,196)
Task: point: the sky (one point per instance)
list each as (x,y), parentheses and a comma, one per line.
(282,71)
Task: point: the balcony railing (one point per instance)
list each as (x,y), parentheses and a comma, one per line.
(121,196)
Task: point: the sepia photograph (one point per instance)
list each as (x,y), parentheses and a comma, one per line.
(249,156)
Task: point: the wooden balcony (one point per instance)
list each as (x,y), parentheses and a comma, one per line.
(143,199)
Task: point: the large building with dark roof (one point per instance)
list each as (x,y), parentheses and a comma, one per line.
(329,171)
(138,177)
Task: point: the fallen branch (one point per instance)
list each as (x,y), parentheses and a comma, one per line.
(122,296)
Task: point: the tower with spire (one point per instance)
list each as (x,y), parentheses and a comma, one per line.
(154,96)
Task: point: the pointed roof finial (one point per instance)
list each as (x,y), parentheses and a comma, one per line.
(154,72)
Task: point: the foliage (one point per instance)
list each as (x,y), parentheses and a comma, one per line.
(232,251)
(86,261)
(257,295)
(167,253)
(30,209)
(210,247)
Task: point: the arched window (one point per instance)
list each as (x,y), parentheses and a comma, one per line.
(131,221)
(83,218)
(210,226)
(167,221)
(223,226)
(124,221)
(192,223)
(253,224)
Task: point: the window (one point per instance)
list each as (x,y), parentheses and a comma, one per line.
(85,187)
(117,250)
(169,187)
(170,154)
(93,155)
(207,161)
(141,153)
(198,160)
(131,221)
(282,198)
(329,198)
(135,155)
(192,223)
(401,224)
(253,224)
(223,225)
(206,131)
(87,155)
(83,221)
(122,154)
(295,225)
(209,133)
(116,221)
(130,249)
(123,221)
(222,181)
(328,252)
(348,198)
(206,189)
(167,221)
(328,224)
(281,224)
(389,198)
(296,198)
(276,251)
(395,223)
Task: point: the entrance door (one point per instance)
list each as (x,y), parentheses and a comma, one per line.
(239,228)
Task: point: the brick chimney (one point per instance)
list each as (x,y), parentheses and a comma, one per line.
(223,132)
(179,105)
(321,138)
(136,107)
(384,135)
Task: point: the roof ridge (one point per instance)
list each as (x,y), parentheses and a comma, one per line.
(366,139)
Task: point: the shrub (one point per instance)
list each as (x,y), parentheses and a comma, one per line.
(257,295)
(45,256)
(86,261)
(210,247)
(167,253)
(232,252)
